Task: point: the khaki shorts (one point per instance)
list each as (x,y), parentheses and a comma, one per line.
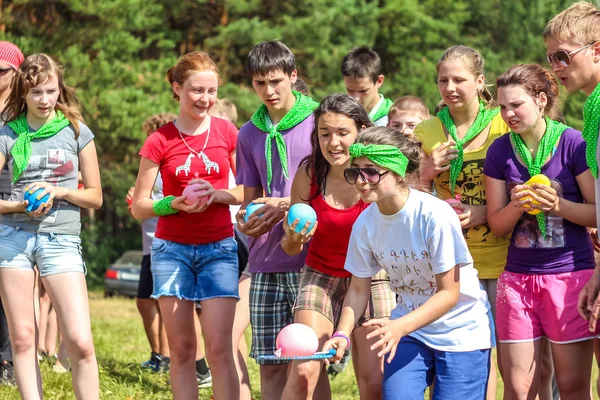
(325,294)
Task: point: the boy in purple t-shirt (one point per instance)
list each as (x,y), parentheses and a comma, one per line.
(550,256)
(269,150)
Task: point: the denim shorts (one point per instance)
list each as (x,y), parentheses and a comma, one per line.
(53,253)
(458,375)
(195,271)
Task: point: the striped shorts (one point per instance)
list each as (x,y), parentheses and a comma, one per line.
(325,294)
(272,296)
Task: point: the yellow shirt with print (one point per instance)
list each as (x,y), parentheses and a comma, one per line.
(488,250)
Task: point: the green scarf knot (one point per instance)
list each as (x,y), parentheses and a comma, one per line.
(21,150)
(302,109)
(384,155)
(553,132)
(591,123)
(484,117)
(381,109)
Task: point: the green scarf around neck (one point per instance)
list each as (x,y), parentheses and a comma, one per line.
(534,165)
(303,107)
(381,111)
(21,150)
(484,117)
(591,124)
(384,155)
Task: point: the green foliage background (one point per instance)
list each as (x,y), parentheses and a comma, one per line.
(116,53)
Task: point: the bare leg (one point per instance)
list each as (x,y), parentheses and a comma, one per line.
(303,380)
(240,348)
(178,317)
(369,373)
(521,369)
(43,317)
(545,390)
(148,309)
(272,380)
(17,292)
(217,321)
(73,312)
(573,366)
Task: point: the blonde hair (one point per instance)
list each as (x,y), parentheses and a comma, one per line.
(191,62)
(410,104)
(224,108)
(473,61)
(579,23)
(151,124)
(35,70)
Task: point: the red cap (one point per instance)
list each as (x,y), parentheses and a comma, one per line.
(11,54)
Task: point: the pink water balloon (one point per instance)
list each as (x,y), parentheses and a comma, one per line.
(192,194)
(454,203)
(297,340)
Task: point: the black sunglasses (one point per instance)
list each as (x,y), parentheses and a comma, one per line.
(563,57)
(4,71)
(367,175)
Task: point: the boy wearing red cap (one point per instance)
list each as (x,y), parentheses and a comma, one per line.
(10,59)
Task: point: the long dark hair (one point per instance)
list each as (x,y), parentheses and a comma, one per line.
(317,166)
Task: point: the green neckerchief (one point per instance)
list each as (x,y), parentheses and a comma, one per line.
(389,157)
(591,123)
(381,109)
(21,150)
(484,117)
(303,107)
(534,166)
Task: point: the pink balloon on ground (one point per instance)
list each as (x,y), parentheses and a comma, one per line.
(297,340)
(454,203)
(192,194)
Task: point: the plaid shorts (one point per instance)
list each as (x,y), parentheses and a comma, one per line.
(325,294)
(272,296)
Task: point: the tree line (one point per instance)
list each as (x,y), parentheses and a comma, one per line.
(116,54)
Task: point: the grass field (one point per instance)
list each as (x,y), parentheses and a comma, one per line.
(121,346)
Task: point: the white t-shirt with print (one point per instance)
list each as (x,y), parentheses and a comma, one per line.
(423,239)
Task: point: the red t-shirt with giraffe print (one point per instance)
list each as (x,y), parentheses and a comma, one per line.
(178,165)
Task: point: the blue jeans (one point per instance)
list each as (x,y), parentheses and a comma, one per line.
(53,253)
(458,375)
(195,271)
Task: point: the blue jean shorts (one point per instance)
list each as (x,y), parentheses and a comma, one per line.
(53,253)
(195,271)
(458,375)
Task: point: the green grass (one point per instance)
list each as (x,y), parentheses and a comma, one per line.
(121,346)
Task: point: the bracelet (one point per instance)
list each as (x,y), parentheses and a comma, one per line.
(341,335)
(163,206)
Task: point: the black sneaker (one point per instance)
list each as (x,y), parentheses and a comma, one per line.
(335,369)
(7,374)
(164,364)
(153,362)
(204,380)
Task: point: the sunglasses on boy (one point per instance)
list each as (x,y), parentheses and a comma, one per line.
(367,175)
(563,57)
(4,71)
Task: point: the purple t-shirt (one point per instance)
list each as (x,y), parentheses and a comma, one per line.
(567,246)
(265,253)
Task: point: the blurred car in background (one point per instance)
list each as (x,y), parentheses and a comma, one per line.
(123,276)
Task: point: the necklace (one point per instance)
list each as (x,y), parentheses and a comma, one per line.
(208,164)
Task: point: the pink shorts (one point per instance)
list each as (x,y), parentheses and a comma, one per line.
(531,306)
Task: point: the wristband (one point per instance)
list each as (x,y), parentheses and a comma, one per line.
(341,335)
(163,206)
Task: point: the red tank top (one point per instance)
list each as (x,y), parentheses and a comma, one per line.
(328,247)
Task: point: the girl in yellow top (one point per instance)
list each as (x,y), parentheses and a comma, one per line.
(455,144)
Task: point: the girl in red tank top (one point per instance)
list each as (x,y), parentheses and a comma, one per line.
(323,281)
